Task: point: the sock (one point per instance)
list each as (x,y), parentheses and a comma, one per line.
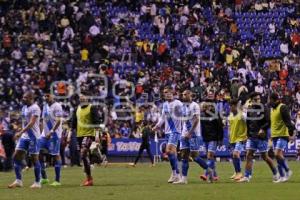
(215,174)
(248,173)
(274,170)
(237,164)
(211,164)
(57,167)
(280,169)
(173,162)
(201,162)
(87,167)
(18,168)
(43,170)
(37,171)
(185,167)
(283,164)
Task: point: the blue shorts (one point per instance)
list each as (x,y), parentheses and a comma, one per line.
(193,143)
(279,143)
(30,145)
(257,144)
(238,146)
(211,146)
(173,138)
(51,146)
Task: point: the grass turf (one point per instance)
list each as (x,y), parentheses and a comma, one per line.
(143,182)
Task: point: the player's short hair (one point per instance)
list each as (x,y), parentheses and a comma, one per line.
(254,94)
(30,94)
(274,96)
(188,91)
(168,88)
(234,102)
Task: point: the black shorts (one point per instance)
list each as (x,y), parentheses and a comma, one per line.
(85,142)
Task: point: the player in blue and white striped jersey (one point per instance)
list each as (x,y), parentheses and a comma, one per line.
(51,137)
(28,141)
(191,136)
(171,117)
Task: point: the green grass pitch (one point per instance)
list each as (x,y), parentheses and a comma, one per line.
(119,181)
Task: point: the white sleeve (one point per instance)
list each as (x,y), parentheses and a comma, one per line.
(195,110)
(161,119)
(35,111)
(57,112)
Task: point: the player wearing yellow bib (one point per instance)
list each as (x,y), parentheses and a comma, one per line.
(237,137)
(282,130)
(86,121)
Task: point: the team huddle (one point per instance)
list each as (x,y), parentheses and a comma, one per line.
(185,124)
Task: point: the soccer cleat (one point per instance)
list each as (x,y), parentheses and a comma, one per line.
(215,178)
(180,182)
(233,176)
(55,184)
(26,169)
(88,182)
(36,185)
(15,184)
(44,181)
(280,180)
(288,175)
(131,164)
(238,176)
(244,180)
(203,177)
(173,178)
(276,178)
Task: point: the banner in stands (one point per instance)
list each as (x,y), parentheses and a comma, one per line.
(130,147)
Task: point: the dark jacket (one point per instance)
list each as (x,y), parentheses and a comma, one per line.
(257,120)
(211,128)
(286,118)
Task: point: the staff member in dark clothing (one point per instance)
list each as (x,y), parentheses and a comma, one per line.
(105,141)
(8,142)
(282,130)
(145,144)
(258,121)
(212,134)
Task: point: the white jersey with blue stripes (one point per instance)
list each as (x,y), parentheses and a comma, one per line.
(49,115)
(189,111)
(27,113)
(171,115)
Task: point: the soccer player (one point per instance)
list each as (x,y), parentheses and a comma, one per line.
(237,137)
(190,138)
(28,141)
(257,120)
(86,121)
(171,114)
(282,130)
(212,134)
(51,137)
